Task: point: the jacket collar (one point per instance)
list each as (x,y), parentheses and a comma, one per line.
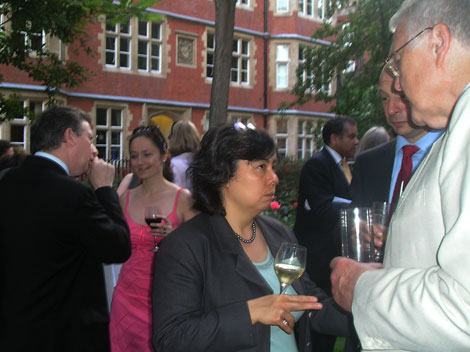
(228,242)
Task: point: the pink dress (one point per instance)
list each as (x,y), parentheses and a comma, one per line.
(131,310)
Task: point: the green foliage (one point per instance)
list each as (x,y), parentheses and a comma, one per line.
(288,171)
(66,20)
(365,40)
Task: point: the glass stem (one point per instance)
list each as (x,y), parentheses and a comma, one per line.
(284,288)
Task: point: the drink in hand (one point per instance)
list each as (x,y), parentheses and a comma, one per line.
(289,263)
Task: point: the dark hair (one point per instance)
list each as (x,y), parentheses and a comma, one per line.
(13,160)
(153,133)
(216,162)
(4,146)
(336,126)
(48,129)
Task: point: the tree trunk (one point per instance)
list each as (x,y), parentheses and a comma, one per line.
(224,23)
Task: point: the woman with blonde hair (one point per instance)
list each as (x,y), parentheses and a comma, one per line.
(184,142)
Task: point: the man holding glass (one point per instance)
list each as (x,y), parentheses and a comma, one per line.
(376,170)
(419,301)
(55,233)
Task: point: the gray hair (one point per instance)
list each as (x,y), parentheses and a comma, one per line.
(419,14)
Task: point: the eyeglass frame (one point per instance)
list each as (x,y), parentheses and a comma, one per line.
(391,58)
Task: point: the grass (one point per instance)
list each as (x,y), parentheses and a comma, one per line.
(339,345)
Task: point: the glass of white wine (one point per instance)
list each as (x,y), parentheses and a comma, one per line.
(289,263)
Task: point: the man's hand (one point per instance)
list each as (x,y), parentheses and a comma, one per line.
(344,275)
(100,173)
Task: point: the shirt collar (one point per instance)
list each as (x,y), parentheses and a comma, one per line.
(424,143)
(54,159)
(334,154)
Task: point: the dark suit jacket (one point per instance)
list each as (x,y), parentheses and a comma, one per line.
(55,232)
(203,280)
(372,175)
(320,181)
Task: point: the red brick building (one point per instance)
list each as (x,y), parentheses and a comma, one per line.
(158,72)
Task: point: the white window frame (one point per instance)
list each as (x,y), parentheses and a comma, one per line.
(305,76)
(243,3)
(305,139)
(25,123)
(282,6)
(149,40)
(305,6)
(321,9)
(119,36)
(241,56)
(282,64)
(109,129)
(283,135)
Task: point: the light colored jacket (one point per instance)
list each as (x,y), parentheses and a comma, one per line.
(420,301)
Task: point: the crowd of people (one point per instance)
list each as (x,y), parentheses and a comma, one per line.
(212,286)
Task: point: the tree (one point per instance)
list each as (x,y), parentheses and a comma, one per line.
(364,40)
(224,24)
(23,24)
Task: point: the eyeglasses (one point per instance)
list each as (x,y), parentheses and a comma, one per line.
(392,64)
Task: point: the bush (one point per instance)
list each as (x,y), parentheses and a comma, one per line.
(285,206)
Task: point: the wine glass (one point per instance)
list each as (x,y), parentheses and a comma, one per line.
(380,221)
(153,215)
(289,264)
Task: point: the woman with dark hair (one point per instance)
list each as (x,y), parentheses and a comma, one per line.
(215,288)
(130,323)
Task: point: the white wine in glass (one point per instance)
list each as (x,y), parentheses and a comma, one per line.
(289,264)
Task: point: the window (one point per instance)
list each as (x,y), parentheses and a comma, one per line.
(282,64)
(118,44)
(306,7)
(135,45)
(307,76)
(321,9)
(210,55)
(282,6)
(19,126)
(281,137)
(109,133)
(149,46)
(305,139)
(33,39)
(243,3)
(240,60)
(240,70)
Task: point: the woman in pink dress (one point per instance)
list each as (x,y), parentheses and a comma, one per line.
(130,321)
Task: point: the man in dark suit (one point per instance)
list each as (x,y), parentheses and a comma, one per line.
(376,170)
(55,233)
(323,191)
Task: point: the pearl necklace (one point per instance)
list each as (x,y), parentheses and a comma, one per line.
(253,234)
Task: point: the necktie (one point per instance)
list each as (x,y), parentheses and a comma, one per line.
(346,170)
(404,175)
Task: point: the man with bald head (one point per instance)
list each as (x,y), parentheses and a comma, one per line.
(420,299)
(376,170)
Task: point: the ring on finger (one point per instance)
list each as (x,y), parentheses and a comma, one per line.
(285,322)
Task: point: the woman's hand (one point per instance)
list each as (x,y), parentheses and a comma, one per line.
(275,309)
(162,229)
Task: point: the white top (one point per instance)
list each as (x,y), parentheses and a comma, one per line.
(179,165)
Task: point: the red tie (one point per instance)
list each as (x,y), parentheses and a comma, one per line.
(404,175)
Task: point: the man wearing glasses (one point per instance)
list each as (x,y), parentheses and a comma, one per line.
(420,300)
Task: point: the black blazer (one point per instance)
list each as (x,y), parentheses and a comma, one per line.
(55,233)
(203,280)
(372,175)
(320,181)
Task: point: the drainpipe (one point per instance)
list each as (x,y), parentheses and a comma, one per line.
(265,62)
